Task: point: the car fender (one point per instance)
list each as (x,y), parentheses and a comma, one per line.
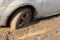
(12,7)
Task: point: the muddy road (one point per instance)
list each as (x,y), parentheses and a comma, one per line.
(42,29)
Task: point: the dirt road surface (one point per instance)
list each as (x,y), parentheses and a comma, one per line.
(42,29)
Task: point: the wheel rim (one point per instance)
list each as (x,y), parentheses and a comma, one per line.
(24,19)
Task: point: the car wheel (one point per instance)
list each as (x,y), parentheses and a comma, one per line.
(21,18)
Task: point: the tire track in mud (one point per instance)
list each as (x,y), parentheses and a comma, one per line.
(33,34)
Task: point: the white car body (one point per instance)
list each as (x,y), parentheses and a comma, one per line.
(43,8)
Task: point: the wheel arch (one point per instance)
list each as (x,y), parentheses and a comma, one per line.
(19,8)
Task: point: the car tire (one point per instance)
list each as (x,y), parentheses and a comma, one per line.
(21,18)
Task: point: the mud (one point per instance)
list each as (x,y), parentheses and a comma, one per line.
(42,29)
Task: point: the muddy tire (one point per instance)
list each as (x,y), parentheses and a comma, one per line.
(21,18)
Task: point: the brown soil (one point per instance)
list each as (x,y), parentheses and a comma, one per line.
(42,29)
